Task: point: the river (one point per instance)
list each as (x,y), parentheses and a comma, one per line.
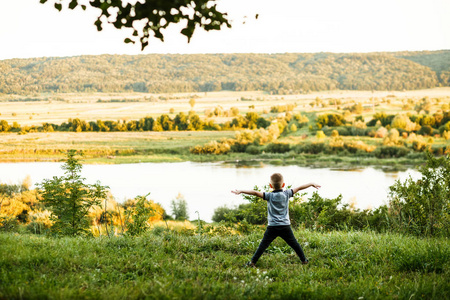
(206,186)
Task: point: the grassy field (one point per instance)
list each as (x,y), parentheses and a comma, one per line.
(105,147)
(130,147)
(58,108)
(169,265)
(171,146)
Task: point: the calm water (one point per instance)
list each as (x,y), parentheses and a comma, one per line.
(207,186)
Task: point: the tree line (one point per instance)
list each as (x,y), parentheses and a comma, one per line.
(273,73)
(181,122)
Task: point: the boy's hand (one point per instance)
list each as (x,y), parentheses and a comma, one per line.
(237,192)
(315,185)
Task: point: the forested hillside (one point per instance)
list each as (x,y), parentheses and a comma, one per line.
(274,73)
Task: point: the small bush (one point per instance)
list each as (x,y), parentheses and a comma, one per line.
(278,148)
(212,148)
(8,223)
(390,152)
(253,150)
(138,216)
(310,148)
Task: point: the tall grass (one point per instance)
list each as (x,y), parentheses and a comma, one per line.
(167,264)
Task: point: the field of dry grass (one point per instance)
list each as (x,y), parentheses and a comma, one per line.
(59,108)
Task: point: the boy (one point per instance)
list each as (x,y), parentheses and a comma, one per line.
(278,216)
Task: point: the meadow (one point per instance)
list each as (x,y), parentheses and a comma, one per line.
(400,261)
(166,264)
(106,147)
(141,146)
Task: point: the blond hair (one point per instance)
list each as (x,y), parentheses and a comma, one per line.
(277,181)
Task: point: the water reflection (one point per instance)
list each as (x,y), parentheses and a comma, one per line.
(207,186)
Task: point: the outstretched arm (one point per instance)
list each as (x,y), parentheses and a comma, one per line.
(305,186)
(249,192)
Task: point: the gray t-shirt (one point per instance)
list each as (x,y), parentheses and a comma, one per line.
(278,207)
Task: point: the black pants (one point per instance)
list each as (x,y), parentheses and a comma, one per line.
(272,232)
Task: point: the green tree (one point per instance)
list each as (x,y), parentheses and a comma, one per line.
(179,208)
(70,199)
(150,17)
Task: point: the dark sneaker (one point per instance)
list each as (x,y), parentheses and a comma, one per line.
(305,262)
(249,265)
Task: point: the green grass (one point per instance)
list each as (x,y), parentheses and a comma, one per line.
(169,265)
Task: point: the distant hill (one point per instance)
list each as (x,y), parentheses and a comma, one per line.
(274,73)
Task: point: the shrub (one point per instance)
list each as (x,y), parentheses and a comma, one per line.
(382,117)
(222,213)
(330,120)
(293,128)
(419,145)
(393,138)
(320,134)
(278,148)
(402,121)
(8,223)
(381,132)
(39,222)
(241,213)
(252,149)
(334,133)
(425,130)
(138,216)
(330,214)
(310,148)
(212,148)
(354,146)
(390,151)
(422,206)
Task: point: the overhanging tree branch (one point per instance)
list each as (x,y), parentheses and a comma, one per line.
(149,17)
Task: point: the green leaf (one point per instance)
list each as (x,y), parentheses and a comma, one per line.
(73,4)
(98,23)
(83,7)
(58,6)
(43,1)
(127,41)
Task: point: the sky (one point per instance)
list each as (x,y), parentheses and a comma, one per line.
(30,29)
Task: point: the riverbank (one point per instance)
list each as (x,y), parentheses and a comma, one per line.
(138,147)
(240,159)
(175,265)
